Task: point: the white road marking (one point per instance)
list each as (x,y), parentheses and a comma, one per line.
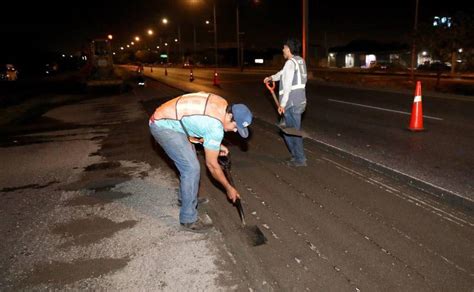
(381,109)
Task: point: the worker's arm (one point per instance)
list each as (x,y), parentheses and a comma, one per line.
(287,80)
(274,77)
(217,173)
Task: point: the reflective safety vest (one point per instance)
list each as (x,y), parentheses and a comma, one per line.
(297,95)
(199,103)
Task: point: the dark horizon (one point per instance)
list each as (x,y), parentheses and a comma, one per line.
(66,28)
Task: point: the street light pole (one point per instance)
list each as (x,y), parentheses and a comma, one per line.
(179,43)
(215,34)
(165,22)
(305,29)
(413,50)
(238,35)
(194,42)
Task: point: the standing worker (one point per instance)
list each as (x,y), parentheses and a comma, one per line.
(197,118)
(292,97)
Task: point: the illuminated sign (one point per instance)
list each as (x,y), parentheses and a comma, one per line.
(442,21)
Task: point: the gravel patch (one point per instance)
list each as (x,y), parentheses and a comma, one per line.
(143,248)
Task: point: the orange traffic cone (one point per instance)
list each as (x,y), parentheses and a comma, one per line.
(416,121)
(216,78)
(191,75)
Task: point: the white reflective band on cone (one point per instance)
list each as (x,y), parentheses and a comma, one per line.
(417,98)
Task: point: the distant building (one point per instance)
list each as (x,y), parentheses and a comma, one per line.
(364,53)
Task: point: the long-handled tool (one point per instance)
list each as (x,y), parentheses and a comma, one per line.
(281,124)
(254,234)
(225,163)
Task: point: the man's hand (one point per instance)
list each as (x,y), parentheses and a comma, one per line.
(217,173)
(232,194)
(267,79)
(281,110)
(224,151)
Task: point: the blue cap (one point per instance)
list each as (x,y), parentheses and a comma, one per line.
(243,117)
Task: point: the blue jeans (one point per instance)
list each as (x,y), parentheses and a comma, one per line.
(295,143)
(183,154)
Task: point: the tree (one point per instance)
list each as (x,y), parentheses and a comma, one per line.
(444,41)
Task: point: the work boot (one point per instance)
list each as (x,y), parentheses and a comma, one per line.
(197,227)
(201,201)
(295,163)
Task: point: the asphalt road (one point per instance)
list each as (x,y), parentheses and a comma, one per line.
(335,225)
(371,126)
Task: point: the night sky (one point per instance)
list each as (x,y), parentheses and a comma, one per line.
(47,25)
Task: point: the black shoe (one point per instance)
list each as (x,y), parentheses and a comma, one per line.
(198,226)
(281,123)
(288,160)
(201,201)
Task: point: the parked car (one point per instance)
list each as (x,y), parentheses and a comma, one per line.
(51,69)
(386,66)
(9,73)
(436,66)
(188,64)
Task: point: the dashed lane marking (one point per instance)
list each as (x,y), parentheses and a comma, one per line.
(381,109)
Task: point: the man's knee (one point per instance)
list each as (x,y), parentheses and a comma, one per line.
(194,169)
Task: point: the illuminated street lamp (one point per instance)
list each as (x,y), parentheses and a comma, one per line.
(128,46)
(215,31)
(121,48)
(164,20)
(137,38)
(110,37)
(178,40)
(132,43)
(150,33)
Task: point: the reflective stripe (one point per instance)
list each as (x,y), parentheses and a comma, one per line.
(200,103)
(417,98)
(297,86)
(297,72)
(299,76)
(201,94)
